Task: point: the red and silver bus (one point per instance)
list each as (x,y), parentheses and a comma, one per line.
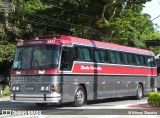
(56,69)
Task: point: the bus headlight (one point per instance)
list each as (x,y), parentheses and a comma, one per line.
(42,88)
(15,88)
(45,88)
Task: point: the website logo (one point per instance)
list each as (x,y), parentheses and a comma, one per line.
(7,7)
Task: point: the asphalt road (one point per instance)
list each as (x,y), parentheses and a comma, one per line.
(102,107)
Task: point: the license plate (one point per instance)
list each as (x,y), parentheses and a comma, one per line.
(29,88)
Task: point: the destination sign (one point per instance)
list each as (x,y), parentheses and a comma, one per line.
(35,42)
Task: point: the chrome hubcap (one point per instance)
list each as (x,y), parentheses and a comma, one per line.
(80,97)
(140,91)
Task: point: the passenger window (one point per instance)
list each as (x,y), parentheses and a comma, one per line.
(138,61)
(100,56)
(142,60)
(86,54)
(131,59)
(118,58)
(103,56)
(79,53)
(83,53)
(126,59)
(112,57)
(115,57)
(96,55)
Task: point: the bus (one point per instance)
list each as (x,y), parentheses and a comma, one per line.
(57,68)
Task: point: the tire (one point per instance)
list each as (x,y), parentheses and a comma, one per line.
(79,97)
(139,92)
(41,104)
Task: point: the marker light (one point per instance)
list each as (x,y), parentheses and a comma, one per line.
(20,42)
(54,88)
(36,38)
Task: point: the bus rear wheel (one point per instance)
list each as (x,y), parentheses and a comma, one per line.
(139,92)
(79,97)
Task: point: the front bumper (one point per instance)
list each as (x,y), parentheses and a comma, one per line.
(36,98)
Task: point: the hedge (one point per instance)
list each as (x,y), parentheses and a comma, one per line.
(6,91)
(154,99)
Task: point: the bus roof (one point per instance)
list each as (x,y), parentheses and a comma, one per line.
(70,40)
(85,42)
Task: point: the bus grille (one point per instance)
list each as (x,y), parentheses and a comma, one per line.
(31,79)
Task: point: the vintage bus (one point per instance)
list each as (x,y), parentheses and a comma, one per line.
(57,69)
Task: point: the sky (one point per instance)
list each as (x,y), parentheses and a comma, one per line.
(153,9)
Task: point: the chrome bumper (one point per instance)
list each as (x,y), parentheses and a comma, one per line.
(36,98)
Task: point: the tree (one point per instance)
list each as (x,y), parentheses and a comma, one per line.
(17,28)
(116,21)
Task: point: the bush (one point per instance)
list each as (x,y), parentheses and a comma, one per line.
(6,91)
(154,99)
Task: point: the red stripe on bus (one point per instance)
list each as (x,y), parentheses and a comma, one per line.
(81,68)
(28,72)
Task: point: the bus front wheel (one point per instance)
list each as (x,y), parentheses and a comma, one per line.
(80,97)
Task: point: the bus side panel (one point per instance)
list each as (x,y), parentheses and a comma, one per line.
(108,86)
(116,86)
(70,83)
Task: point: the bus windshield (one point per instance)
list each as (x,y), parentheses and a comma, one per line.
(37,57)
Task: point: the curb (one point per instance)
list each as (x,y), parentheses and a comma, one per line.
(143,106)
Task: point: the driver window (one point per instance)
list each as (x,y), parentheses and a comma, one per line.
(66,59)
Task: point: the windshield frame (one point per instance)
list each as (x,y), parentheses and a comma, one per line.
(51,52)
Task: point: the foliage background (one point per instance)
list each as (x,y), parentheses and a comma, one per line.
(115,21)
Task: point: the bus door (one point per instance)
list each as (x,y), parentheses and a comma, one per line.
(66,78)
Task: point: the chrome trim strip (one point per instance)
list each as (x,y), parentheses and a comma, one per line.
(110,64)
(50,98)
(54,95)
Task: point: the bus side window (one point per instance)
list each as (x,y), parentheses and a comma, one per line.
(66,59)
(138,61)
(126,58)
(83,54)
(151,61)
(115,57)
(112,56)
